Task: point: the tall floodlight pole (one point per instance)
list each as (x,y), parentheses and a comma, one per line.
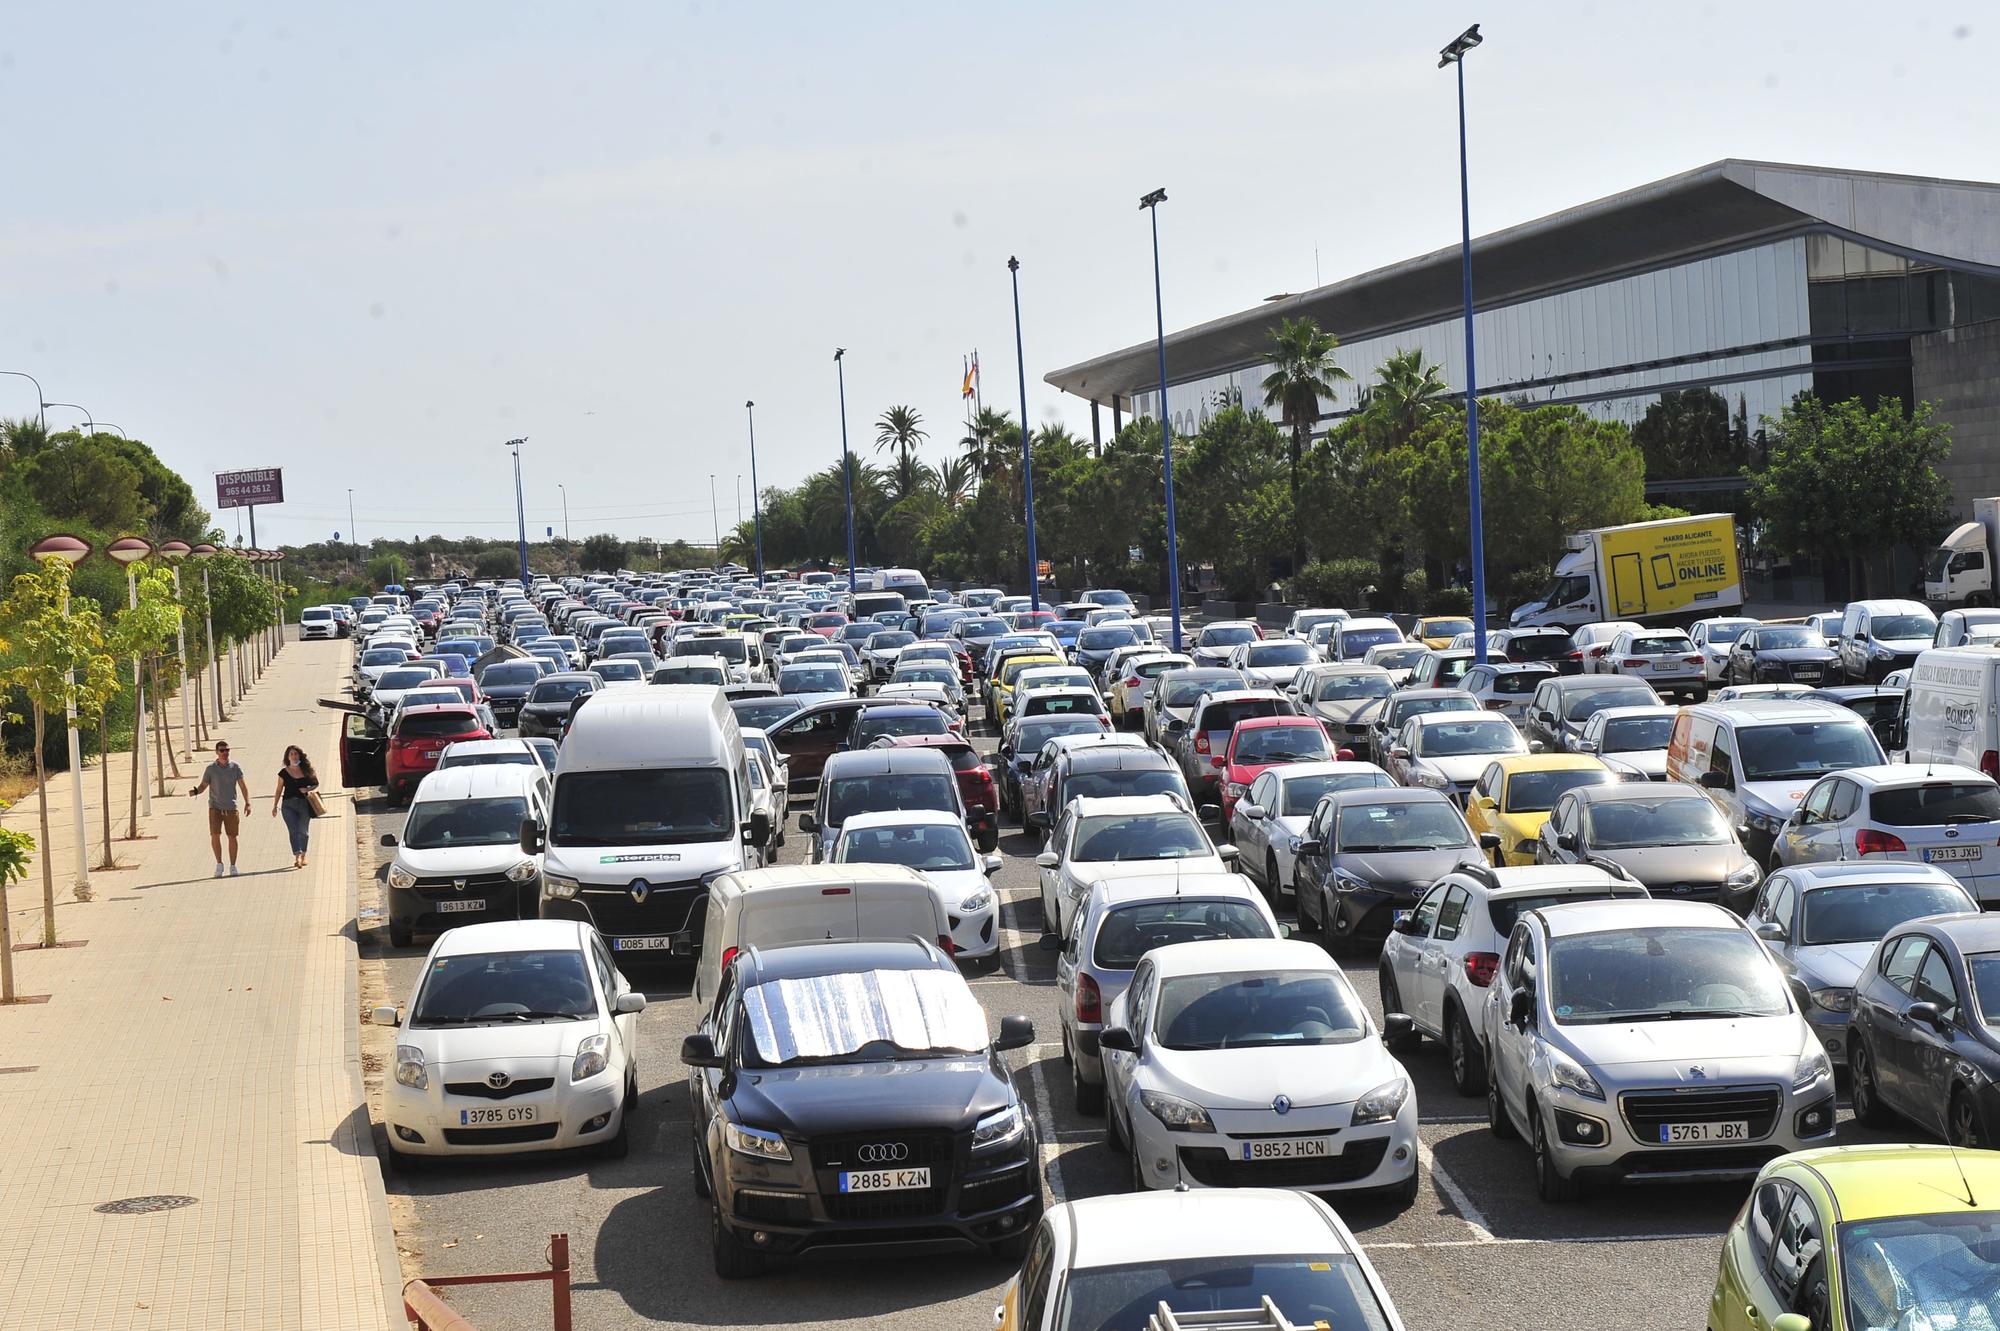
(1027,453)
(353,533)
(520,508)
(846,464)
(756,502)
(714,520)
(565,498)
(1454,54)
(1151,203)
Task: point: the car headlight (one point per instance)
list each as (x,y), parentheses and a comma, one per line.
(1764,822)
(1382,1104)
(1811,1068)
(1176,1114)
(558,888)
(522,872)
(755,1142)
(1884,654)
(1235,789)
(401,877)
(591,1057)
(1744,876)
(1833,999)
(1423,776)
(978,901)
(1567,1073)
(998,1129)
(410,1070)
(1346,882)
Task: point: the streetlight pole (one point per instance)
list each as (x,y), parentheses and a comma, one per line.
(204,552)
(352,530)
(714,520)
(129,550)
(846,465)
(1454,54)
(73,550)
(520,510)
(88,423)
(565,498)
(756,504)
(41,407)
(1027,453)
(1151,203)
(174,552)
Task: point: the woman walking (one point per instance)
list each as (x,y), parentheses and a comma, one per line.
(294,799)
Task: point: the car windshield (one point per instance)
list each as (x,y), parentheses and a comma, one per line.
(979,629)
(1238,1011)
(812,679)
(1537,792)
(1864,912)
(1282,744)
(619,671)
(887,791)
(882,642)
(383,656)
(1285,652)
(436,725)
(1114,837)
(1926,1271)
(1103,640)
(1402,825)
(1043,703)
(1401,658)
(1902,626)
(1538,647)
(1154,669)
(518,672)
(1805,749)
(1227,635)
(1662,644)
(1031,734)
(1124,781)
(1405,708)
(872,1016)
(1187,692)
(560,690)
(1513,683)
(927,846)
(763,713)
(1661,974)
(924,674)
(1446,628)
(394,681)
(1721,633)
(1501,912)
(442,824)
(691,674)
(1798,636)
(1352,688)
(1128,933)
(871,726)
(658,806)
(1583,706)
(1636,734)
(1459,739)
(1936,802)
(474,987)
(1669,820)
(1226,716)
(1302,793)
(1310,1289)
(1360,640)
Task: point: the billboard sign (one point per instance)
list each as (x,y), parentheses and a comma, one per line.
(247,489)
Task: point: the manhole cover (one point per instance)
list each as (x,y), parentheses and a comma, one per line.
(145,1205)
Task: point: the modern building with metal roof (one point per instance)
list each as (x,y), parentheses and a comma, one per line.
(1752,280)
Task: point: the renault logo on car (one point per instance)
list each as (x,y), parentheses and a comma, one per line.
(1282,1105)
(882,1153)
(640,890)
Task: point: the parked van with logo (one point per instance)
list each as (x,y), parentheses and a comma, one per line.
(1951,713)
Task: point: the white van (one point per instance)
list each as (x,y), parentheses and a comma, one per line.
(1951,713)
(1877,637)
(652,801)
(813,902)
(907,581)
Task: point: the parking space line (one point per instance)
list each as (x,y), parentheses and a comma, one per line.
(1492,1242)
(1474,1218)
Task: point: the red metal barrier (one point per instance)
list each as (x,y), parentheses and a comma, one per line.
(425,1309)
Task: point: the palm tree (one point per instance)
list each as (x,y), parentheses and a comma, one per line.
(956,481)
(1406,391)
(982,443)
(1302,373)
(900,430)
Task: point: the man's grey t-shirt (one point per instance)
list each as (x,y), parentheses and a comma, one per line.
(222,779)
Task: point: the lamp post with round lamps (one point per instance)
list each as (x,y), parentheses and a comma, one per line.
(204,552)
(72,550)
(129,550)
(174,552)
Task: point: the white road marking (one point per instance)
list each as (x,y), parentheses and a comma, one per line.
(1038,1084)
(1474,1218)
(1491,1241)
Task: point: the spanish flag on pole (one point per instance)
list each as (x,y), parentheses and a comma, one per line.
(967,389)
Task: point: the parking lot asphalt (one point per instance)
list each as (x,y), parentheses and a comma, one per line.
(1478,1245)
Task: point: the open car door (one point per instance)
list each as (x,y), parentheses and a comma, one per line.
(363,753)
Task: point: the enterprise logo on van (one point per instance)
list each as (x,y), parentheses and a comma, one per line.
(648,858)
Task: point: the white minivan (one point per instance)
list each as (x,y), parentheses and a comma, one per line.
(1951,713)
(799,903)
(652,802)
(1877,637)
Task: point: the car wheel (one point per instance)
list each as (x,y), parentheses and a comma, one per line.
(734,1259)
(1014,1247)
(1468,1060)
(1137,1175)
(1962,1122)
(1497,1121)
(1404,1195)
(1089,1097)
(1271,876)
(1050,914)
(698,1163)
(1549,1181)
(620,1144)
(401,935)
(989,841)
(1392,1001)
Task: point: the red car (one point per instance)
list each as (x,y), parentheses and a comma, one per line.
(826,623)
(975,783)
(1262,742)
(419,740)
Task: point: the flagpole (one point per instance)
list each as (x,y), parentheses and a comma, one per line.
(977,405)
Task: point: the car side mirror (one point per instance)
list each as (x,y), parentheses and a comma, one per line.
(1567,841)
(1926,1014)
(1715,781)
(630,1002)
(1489,841)
(1256,813)
(1407,924)
(1050,943)
(533,840)
(1399,750)
(1039,820)
(1586,746)
(1176,727)
(1791,1322)
(758,831)
(1118,1040)
(385,1015)
(1397,1026)
(1227,854)
(1771,931)
(698,1051)
(1016,1032)
(808,823)
(1537,746)
(1521,1009)
(1048,859)
(389,838)
(990,865)
(1311,846)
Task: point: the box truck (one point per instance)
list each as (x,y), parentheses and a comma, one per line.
(1960,570)
(1673,570)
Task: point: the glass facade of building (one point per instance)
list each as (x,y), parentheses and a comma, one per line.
(1758,325)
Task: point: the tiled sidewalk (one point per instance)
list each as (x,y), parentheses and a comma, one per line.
(201,1044)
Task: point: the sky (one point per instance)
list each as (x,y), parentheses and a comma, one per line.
(368,243)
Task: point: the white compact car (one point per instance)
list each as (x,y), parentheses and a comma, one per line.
(935,844)
(1119,836)
(1243,1062)
(521,1036)
(1268,823)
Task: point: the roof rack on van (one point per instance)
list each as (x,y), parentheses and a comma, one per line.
(1264,1317)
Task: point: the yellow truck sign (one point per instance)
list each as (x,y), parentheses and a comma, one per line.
(1671,567)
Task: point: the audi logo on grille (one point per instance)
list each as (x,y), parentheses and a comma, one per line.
(882,1153)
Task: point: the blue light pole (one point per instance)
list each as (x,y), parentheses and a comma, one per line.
(1454,54)
(1151,203)
(1027,454)
(756,504)
(520,511)
(846,465)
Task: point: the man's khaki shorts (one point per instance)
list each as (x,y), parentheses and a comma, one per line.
(222,820)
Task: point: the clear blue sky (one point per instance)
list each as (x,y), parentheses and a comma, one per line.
(368,242)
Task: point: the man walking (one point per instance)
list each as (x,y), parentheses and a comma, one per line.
(222,779)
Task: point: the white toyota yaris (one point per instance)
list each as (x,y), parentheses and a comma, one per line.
(1252,1062)
(521,1036)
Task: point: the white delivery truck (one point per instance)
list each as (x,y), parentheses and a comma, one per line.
(1960,570)
(1672,570)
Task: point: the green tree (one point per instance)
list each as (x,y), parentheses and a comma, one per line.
(1303,371)
(497,561)
(1686,434)
(985,444)
(1404,395)
(55,656)
(15,847)
(1844,482)
(604,553)
(388,570)
(143,632)
(87,481)
(898,432)
(956,481)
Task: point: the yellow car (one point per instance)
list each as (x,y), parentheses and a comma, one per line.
(1437,631)
(1513,797)
(1854,1237)
(1003,683)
